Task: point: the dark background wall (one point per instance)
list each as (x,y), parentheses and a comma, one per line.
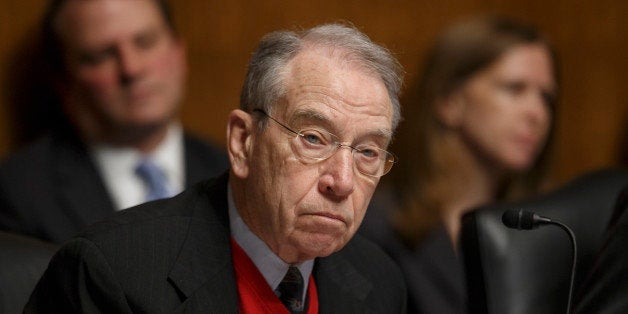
(591,38)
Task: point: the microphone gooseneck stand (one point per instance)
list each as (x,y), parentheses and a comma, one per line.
(524,220)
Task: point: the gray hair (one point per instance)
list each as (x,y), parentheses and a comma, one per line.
(264,83)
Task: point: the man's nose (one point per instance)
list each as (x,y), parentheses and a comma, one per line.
(338,173)
(130,62)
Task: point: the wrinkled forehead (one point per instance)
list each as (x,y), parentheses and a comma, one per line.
(331,85)
(313,56)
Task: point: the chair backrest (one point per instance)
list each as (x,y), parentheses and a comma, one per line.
(22,261)
(518,272)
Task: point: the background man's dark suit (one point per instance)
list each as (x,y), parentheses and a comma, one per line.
(52,190)
(175,255)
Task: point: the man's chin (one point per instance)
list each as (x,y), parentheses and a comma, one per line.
(320,245)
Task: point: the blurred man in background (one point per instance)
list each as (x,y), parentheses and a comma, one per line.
(119,70)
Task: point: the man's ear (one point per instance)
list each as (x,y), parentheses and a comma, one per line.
(450,110)
(239,139)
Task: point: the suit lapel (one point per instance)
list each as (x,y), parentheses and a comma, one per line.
(81,191)
(341,288)
(204,267)
(80,195)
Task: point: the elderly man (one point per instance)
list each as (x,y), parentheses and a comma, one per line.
(275,235)
(119,68)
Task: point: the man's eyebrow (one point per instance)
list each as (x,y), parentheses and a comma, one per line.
(309,113)
(313,116)
(306,114)
(382,137)
(385,133)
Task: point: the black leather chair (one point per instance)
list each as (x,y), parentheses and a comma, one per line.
(528,271)
(22,261)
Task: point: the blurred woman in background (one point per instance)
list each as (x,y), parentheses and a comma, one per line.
(476,131)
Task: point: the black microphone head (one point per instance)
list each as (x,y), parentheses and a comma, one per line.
(519,219)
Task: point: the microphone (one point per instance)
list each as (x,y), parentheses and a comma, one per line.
(525,220)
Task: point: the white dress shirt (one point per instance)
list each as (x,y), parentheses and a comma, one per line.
(117,166)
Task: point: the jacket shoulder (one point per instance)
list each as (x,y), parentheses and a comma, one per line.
(30,159)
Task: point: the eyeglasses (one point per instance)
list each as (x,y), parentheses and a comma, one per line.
(312,145)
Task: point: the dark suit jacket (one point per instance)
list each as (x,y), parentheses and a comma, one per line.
(434,275)
(174,255)
(606,289)
(52,190)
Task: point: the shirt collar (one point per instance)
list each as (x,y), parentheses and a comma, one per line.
(117,167)
(268,263)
